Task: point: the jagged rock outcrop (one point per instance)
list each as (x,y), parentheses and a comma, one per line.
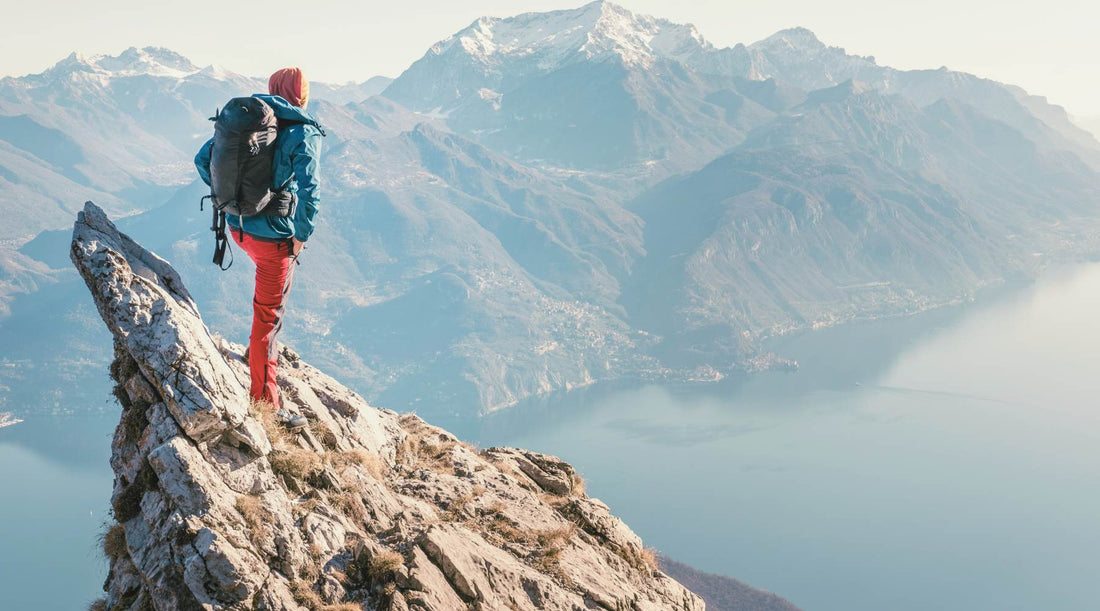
(219,508)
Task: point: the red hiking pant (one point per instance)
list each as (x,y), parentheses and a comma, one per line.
(274,271)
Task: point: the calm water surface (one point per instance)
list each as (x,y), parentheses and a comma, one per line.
(947,461)
(55,485)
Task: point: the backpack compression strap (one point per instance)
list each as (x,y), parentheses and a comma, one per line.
(220,240)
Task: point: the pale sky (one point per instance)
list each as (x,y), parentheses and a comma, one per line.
(1050,48)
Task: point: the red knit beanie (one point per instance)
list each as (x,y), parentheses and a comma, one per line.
(291,85)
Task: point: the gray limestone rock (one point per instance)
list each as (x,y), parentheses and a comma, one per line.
(221,508)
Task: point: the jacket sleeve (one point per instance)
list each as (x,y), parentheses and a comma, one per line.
(202,161)
(305,160)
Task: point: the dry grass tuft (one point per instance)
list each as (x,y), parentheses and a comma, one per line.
(378,570)
(114,542)
(547,558)
(311,572)
(305,596)
(324,434)
(578,485)
(301,509)
(556,537)
(643,560)
(252,510)
(456,509)
(384,565)
(369,462)
(295,463)
(507,530)
(425,446)
(553,500)
(264,411)
(351,504)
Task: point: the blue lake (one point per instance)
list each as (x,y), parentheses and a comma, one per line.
(55,486)
(945,461)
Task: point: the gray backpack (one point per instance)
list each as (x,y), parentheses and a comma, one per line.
(240,161)
(241,167)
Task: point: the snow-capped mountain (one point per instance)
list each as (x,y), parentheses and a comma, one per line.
(550,41)
(596,87)
(797,56)
(599,87)
(148,61)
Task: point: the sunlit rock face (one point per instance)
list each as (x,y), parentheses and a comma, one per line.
(219,507)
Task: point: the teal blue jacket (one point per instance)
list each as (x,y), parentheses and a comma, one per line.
(295,169)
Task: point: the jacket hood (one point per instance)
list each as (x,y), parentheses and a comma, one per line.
(288,112)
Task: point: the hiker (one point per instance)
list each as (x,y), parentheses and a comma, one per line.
(274,236)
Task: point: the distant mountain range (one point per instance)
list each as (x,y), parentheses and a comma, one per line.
(554,199)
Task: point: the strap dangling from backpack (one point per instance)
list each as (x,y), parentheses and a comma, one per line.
(221,241)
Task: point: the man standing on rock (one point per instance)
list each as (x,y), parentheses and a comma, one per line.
(275,237)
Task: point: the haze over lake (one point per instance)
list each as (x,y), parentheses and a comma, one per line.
(945,461)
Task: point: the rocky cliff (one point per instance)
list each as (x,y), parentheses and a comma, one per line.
(219,508)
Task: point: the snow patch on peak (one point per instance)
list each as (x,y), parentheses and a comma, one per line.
(217,72)
(555,38)
(153,61)
(800,44)
(478,41)
(794,38)
(490,96)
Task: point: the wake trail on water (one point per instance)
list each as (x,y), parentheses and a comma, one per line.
(944,393)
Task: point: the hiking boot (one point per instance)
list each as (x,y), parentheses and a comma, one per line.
(293,422)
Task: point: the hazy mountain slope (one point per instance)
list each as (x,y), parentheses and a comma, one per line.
(19,274)
(35,194)
(724,593)
(798,58)
(349,92)
(857,204)
(441,271)
(451,303)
